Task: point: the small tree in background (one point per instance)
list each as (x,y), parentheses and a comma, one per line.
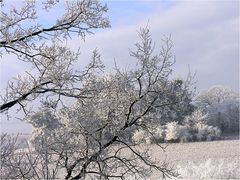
(221,106)
(180,91)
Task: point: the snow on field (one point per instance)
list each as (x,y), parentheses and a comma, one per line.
(198,151)
(203,160)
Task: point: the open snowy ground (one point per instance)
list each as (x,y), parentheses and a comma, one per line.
(203,160)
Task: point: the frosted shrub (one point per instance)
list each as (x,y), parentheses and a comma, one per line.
(201,131)
(176,132)
(184,135)
(141,136)
(172,132)
(217,131)
(196,117)
(148,140)
(213,133)
(206,132)
(195,128)
(198,128)
(159,134)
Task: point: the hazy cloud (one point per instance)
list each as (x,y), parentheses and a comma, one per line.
(205,35)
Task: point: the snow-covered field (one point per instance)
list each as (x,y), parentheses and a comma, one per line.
(203,160)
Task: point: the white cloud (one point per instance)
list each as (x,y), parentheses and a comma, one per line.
(205,35)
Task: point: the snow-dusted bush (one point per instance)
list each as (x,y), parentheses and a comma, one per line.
(141,136)
(184,134)
(153,135)
(198,130)
(159,134)
(176,132)
(206,132)
(196,117)
(172,131)
(198,127)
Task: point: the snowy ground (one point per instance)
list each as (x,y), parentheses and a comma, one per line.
(203,160)
(197,151)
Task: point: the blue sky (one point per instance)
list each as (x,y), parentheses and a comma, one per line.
(205,36)
(129,12)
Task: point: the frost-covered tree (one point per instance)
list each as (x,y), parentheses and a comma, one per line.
(41,47)
(196,117)
(182,92)
(215,94)
(88,138)
(92,136)
(221,106)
